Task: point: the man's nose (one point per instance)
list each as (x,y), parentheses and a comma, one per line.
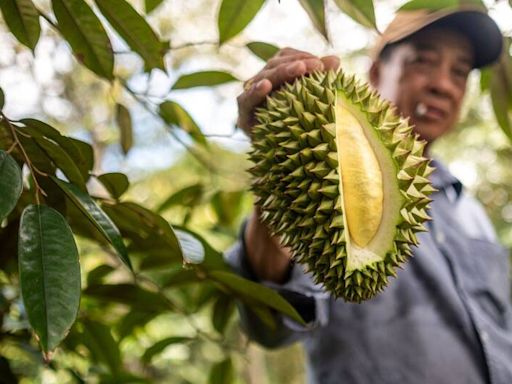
(441,81)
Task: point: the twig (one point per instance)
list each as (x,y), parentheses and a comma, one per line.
(32,168)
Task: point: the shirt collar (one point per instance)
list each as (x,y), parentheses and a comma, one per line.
(442,179)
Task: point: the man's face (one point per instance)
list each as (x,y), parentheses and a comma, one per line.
(425,77)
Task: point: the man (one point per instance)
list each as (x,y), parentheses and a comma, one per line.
(447,317)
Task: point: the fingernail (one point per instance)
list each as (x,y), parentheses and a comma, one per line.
(258,85)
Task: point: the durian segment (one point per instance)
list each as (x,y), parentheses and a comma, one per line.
(296,182)
(361,178)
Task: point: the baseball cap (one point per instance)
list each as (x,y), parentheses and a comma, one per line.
(481,30)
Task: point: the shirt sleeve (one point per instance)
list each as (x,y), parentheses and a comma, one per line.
(308,299)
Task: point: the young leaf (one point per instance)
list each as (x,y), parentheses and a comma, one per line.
(49,273)
(432,5)
(316,12)
(151,5)
(22,18)
(186,197)
(360,11)
(204,78)
(11,184)
(159,346)
(135,31)
(116,183)
(174,114)
(263,50)
(124,122)
(86,35)
(97,337)
(244,288)
(222,372)
(97,217)
(234,15)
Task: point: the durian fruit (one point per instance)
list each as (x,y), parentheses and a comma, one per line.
(342,180)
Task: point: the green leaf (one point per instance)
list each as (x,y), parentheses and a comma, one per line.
(11,184)
(234,15)
(135,31)
(97,337)
(151,5)
(49,273)
(180,277)
(124,122)
(116,183)
(432,5)
(62,160)
(39,129)
(174,114)
(263,50)
(244,288)
(133,320)
(2,99)
(222,372)
(22,18)
(86,162)
(316,12)
(86,35)
(159,346)
(223,309)
(227,206)
(6,373)
(360,11)
(265,315)
(500,88)
(202,79)
(128,294)
(97,217)
(188,197)
(97,275)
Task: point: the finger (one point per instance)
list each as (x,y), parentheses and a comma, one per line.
(288,51)
(289,72)
(249,100)
(330,62)
(278,60)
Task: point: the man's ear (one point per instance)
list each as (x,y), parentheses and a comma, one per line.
(375,74)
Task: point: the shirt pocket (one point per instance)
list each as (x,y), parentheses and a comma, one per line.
(487,277)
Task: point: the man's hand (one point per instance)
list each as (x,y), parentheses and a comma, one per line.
(285,66)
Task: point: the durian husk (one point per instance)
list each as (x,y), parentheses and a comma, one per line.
(296,182)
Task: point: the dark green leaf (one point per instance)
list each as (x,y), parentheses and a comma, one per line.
(360,11)
(244,288)
(11,184)
(485,79)
(6,374)
(222,373)
(86,35)
(263,50)
(22,18)
(188,197)
(134,319)
(37,156)
(124,122)
(2,99)
(97,217)
(159,346)
(86,161)
(49,273)
(128,294)
(264,314)
(234,15)
(97,337)
(62,160)
(134,30)
(501,91)
(151,5)
(223,309)
(429,4)
(116,183)
(204,78)
(316,12)
(179,278)
(174,114)
(36,128)
(97,275)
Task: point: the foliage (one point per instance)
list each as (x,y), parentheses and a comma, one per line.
(84,268)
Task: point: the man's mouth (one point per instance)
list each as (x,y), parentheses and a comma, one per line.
(429,112)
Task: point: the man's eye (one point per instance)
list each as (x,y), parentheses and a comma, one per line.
(459,72)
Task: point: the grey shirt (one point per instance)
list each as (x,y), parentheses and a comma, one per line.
(446,318)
